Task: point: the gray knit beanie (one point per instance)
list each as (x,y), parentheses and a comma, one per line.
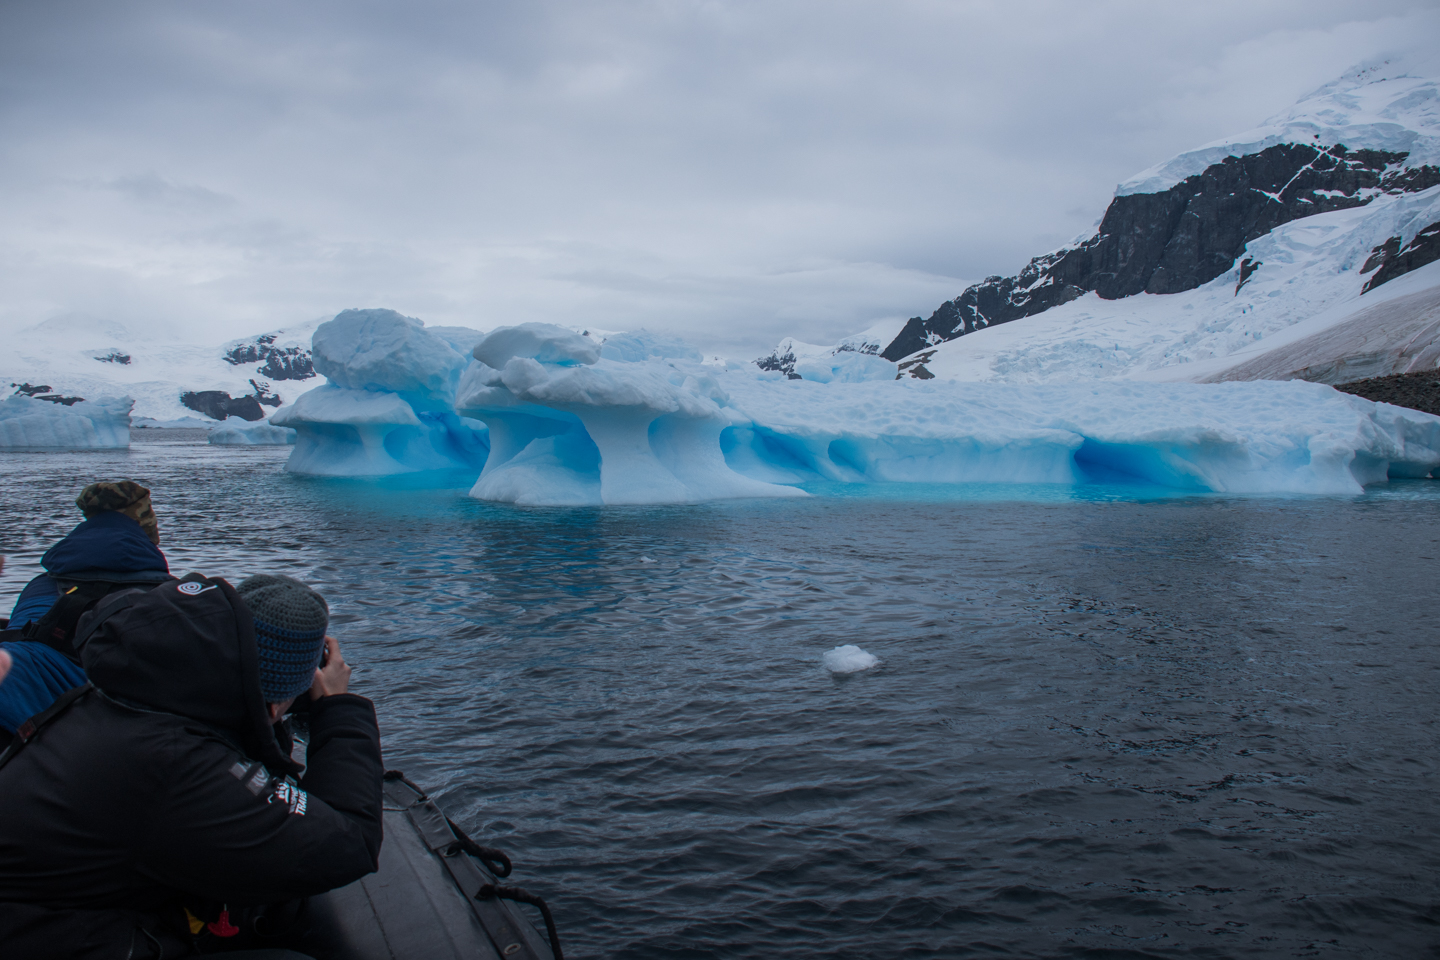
(290,623)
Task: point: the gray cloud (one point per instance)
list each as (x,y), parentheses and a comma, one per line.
(729,171)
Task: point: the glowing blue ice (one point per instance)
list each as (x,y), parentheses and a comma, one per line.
(388,407)
(554,419)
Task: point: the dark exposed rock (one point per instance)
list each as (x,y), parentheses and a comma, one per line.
(291,363)
(115,356)
(42,392)
(250,351)
(915,367)
(1247,270)
(784,363)
(280,363)
(1418,391)
(1178,239)
(219,405)
(1394,262)
(1410,179)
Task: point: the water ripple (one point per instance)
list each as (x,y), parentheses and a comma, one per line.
(1100,726)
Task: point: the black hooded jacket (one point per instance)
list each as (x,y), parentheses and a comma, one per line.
(151,793)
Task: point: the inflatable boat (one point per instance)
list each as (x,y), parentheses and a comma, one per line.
(437,896)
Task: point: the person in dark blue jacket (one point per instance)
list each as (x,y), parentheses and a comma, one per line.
(116,546)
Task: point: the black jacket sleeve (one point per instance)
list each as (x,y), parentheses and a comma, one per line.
(225,831)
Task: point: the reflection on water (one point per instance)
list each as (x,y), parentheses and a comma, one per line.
(1105,722)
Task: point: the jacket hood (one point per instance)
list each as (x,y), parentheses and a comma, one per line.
(186,647)
(109,546)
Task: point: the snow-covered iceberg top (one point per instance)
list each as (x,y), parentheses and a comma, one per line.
(388,405)
(1379,105)
(30,424)
(381,350)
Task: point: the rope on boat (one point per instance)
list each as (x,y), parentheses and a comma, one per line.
(524,896)
(495,860)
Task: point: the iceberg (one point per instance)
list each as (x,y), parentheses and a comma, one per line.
(388,405)
(30,424)
(569,426)
(547,417)
(846,366)
(1260,437)
(241,433)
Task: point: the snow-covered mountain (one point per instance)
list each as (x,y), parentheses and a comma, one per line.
(86,358)
(169,380)
(1208,260)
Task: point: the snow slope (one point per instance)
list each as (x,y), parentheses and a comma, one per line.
(88,358)
(1214,257)
(1310,274)
(1379,105)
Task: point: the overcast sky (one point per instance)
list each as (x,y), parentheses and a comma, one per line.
(732,172)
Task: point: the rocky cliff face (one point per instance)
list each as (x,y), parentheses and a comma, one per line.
(1389,260)
(280,363)
(1180,238)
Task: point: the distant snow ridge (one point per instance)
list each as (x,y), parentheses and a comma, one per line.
(30,424)
(845,360)
(88,357)
(567,426)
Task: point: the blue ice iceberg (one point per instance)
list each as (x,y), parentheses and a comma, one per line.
(388,407)
(1256,437)
(555,418)
(568,426)
(30,424)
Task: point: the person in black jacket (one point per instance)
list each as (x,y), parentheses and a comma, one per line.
(116,546)
(152,814)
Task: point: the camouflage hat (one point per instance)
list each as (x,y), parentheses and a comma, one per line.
(120,496)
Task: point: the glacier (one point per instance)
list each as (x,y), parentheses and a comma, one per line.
(99,424)
(547,418)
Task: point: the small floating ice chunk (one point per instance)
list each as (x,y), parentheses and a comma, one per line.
(646,560)
(258,434)
(848,659)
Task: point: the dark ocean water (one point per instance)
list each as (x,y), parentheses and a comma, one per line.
(1105,723)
